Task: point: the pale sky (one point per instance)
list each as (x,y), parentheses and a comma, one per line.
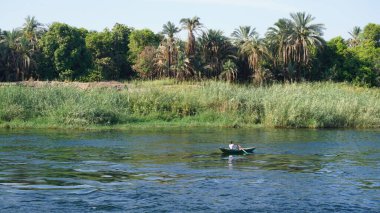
(339,16)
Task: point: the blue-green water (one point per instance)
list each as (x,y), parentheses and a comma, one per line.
(183,171)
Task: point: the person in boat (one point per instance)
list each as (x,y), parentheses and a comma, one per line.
(234,146)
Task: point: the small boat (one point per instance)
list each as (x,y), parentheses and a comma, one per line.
(237,151)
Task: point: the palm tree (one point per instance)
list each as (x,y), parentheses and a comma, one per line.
(215,50)
(25,59)
(277,41)
(170,30)
(10,41)
(3,55)
(243,34)
(183,69)
(303,38)
(256,51)
(32,30)
(191,25)
(229,72)
(355,36)
(10,38)
(251,47)
(18,54)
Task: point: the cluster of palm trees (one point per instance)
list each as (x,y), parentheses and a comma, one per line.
(18,49)
(294,42)
(173,58)
(284,54)
(211,55)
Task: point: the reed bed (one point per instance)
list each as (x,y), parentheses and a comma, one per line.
(210,103)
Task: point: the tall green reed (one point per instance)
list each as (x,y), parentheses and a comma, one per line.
(210,103)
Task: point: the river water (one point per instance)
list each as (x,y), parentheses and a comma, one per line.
(182,170)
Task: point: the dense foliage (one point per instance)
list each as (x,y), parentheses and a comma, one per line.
(292,50)
(207,103)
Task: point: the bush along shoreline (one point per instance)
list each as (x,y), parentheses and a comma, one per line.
(165,103)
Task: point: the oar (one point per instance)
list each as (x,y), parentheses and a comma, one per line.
(244,151)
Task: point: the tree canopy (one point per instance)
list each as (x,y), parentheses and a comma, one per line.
(64,49)
(291,50)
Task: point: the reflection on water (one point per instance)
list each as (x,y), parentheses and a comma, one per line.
(291,171)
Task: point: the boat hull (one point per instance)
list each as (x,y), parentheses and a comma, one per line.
(236,151)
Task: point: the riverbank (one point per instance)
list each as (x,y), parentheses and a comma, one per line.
(164,103)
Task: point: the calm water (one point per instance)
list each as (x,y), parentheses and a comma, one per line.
(183,171)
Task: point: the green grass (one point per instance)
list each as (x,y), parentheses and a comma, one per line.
(166,103)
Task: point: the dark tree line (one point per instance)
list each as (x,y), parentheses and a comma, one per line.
(291,50)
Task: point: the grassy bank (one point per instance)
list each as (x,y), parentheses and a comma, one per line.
(164,103)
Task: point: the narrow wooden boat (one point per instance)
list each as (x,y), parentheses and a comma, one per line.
(237,151)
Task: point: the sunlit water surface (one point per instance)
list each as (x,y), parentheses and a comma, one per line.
(182,170)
